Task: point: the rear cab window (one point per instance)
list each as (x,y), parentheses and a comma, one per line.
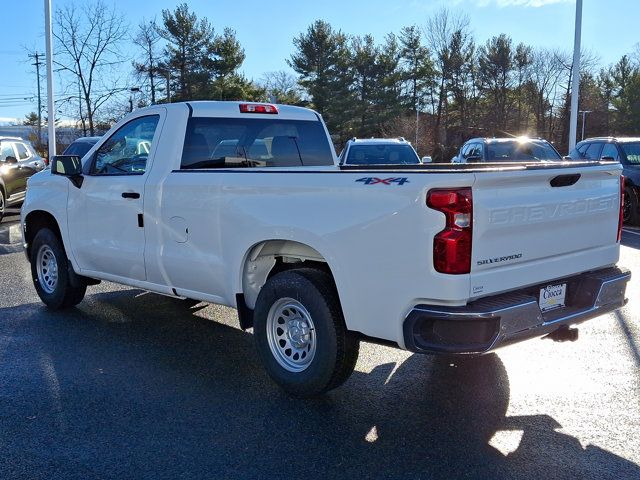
(212,142)
(521,151)
(389,154)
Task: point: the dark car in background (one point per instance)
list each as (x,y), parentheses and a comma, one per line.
(625,150)
(378,151)
(520,149)
(18,161)
(81,146)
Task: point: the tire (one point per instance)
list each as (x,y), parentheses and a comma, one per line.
(299,311)
(3,204)
(50,272)
(631,215)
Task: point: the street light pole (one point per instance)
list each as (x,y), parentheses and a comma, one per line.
(50,106)
(575,79)
(584,118)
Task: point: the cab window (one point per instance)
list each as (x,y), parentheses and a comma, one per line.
(127,150)
(244,143)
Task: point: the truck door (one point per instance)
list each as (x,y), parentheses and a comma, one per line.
(105,213)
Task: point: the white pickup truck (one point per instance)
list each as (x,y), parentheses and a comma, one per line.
(244,204)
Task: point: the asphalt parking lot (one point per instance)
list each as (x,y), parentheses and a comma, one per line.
(136,385)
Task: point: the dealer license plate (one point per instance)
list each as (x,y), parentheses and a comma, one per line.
(552,296)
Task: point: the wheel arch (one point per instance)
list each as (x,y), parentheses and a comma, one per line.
(36,220)
(267,258)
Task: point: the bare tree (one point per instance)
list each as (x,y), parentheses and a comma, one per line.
(281,87)
(442,30)
(87,43)
(545,80)
(588,60)
(147,38)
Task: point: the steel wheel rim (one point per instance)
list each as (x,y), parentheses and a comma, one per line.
(291,335)
(47,268)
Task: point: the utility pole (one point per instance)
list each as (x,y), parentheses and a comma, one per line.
(51,106)
(575,79)
(36,56)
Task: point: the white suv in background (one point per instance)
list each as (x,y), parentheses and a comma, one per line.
(379,151)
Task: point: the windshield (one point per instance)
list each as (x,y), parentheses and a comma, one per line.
(519,151)
(389,154)
(632,152)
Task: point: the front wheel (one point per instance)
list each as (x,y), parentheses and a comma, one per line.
(50,272)
(300,333)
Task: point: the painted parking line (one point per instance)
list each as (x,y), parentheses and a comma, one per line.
(632,232)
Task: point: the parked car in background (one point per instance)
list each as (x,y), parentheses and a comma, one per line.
(24,152)
(379,151)
(81,146)
(520,149)
(625,150)
(18,161)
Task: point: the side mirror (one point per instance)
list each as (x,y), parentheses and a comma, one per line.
(427,159)
(10,160)
(68,166)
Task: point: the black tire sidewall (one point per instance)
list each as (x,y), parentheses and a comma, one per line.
(56,299)
(631,194)
(315,378)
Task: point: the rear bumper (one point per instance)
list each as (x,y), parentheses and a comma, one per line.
(493,322)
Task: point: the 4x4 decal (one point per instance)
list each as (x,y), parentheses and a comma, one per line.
(383,181)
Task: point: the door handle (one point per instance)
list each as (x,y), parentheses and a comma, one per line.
(130,195)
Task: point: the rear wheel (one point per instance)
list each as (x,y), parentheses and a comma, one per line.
(630,213)
(50,272)
(300,333)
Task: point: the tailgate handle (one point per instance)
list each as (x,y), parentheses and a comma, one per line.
(565,180)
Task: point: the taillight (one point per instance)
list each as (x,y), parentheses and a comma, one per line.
(621,217)
(258,108)
(452,246)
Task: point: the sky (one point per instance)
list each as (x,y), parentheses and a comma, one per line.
(266,29)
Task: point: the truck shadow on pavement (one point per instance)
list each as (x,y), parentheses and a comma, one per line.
(133,385)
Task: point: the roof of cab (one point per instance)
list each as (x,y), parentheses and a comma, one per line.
(612,139)
(210,108)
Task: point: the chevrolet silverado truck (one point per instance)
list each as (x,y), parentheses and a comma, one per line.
(245,205)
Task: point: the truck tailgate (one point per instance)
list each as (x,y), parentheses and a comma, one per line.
(537,225)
